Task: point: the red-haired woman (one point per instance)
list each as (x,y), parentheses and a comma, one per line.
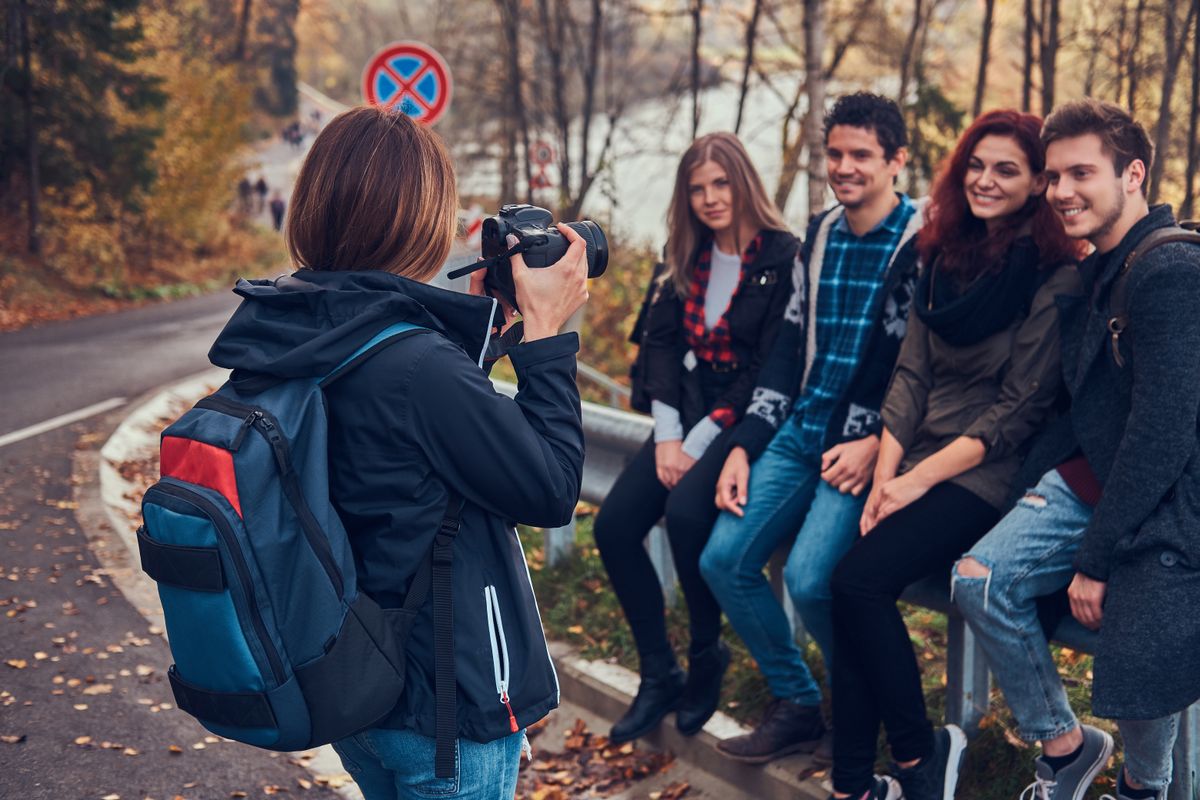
(977,374)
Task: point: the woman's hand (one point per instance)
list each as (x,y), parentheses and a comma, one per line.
(550,295)
(477,288)
(670,462)
(1087,600)
(731,485)
(889,497)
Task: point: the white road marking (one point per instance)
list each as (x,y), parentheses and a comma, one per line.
(61,420)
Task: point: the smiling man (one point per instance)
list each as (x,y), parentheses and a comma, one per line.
(1117,514)
(812,428)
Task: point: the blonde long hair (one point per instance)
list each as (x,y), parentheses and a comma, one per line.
(750,201)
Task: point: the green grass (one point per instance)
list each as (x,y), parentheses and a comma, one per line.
(579,607)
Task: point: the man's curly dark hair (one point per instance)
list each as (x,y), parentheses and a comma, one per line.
(874,113)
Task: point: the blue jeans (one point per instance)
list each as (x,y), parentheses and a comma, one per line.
(1030,554)
(1148,748)
(398,764)
(785,495)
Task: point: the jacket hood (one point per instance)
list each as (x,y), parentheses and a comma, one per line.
(306,324)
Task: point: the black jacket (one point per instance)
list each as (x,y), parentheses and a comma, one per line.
(754,315)
(1137,426)
(416,417)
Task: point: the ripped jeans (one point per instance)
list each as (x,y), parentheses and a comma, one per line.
(1029,554)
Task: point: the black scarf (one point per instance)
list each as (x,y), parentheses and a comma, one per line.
(966,316)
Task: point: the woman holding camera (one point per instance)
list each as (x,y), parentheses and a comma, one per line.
(977,375)
(710,317)
(417,423)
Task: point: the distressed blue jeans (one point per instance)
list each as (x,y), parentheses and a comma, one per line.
(785,495)
(392,764)
(1030,554)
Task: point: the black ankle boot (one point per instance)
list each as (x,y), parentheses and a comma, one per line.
(703,689)
(656,697)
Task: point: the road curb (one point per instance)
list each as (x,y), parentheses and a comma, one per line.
(106,508)
(607,690)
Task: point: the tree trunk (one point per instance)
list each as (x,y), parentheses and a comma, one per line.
(1132,62)
(239,47)
(814,46)
(791,151)
(1048,52)
(553,37)
(33,241)
(697,9)
(1027,65)
(1122,53)
(908,54)
(985,47)
(751,36)
(1187,209)
(510,12)
(1174,53)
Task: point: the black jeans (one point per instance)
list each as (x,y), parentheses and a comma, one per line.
(877,677)
(632,507)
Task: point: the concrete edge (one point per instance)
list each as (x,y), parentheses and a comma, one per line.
(608,689)
(105,509)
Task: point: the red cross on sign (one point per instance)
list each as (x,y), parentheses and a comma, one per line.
(410,76)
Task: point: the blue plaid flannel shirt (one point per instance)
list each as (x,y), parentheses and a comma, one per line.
(852,277)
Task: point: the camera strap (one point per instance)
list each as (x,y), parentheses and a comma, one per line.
(484,263)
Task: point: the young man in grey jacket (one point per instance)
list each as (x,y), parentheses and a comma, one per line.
(1115,512)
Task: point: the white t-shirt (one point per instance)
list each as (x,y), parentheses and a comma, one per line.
(723,277)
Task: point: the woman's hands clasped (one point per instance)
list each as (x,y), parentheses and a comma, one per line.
(671,463)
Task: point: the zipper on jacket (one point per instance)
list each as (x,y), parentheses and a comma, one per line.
(269,428)
(211,511)
(500,662)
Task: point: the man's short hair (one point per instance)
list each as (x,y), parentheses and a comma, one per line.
(1121,136)
(874,113)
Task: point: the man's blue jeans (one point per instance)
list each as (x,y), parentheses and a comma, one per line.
(398,765)
(1029,554)
(785,495)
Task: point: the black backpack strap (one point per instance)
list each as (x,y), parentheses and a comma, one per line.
(1118,321)
(435,574)
(444,678)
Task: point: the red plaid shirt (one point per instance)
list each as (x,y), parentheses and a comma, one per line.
(714,345)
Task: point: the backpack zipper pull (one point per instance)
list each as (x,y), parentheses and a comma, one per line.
(247,424)
(512,719)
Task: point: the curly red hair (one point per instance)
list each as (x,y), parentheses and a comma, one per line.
(962,239)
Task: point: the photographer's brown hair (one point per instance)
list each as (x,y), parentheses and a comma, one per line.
(1121,136)
(750,201)
(377,191)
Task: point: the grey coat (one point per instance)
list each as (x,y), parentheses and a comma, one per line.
(1138,428)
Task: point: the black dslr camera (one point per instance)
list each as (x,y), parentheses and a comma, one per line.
(538,241)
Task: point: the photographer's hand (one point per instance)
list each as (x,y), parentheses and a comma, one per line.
(550,295)
(476,287)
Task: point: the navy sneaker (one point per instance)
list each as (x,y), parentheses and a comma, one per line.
(934,778)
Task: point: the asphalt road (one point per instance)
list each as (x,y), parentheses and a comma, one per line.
(62,367)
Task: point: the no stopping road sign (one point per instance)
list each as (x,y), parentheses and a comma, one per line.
(410,76)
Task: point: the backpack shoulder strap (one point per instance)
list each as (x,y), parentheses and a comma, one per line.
(388,335)
(1118,320)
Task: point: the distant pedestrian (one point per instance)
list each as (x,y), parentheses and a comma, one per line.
(260,189)
(245,194)
(277,207)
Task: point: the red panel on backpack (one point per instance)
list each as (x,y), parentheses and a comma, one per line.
(201,464)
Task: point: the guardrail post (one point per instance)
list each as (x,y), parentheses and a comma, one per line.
(968,682)
(660,555)
(775,577)
(1186,783)
(560,543)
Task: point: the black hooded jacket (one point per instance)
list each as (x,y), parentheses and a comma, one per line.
(418,416)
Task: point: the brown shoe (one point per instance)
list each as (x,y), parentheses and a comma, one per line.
(787,727)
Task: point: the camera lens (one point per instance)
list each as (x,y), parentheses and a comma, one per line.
(597,246)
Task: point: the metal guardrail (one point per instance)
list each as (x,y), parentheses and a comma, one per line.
(612,438)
